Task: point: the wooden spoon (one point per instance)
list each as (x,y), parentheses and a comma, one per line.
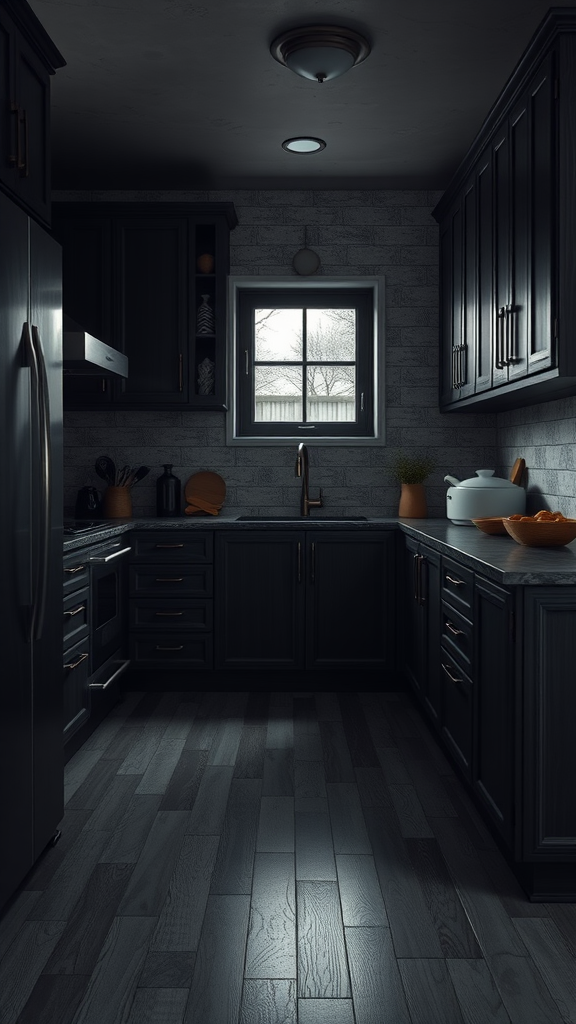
(517,471)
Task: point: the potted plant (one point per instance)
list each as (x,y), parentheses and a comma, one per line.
(411,471)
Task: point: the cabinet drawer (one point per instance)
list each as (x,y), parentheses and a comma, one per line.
(75,571)
(457,636)
(457,585)
(179,650)
(75,617)
(171,616)
(171,581)
(457,711)
(171,546)
(76,694)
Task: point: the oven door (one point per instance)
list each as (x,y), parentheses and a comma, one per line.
(108,603)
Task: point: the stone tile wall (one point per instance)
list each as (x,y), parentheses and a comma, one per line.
(545,435)
(389,233)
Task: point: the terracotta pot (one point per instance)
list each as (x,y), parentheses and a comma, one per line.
(413,502)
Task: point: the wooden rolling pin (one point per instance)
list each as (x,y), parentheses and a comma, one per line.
(518,471)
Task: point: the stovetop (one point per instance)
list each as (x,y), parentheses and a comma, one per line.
(73,526)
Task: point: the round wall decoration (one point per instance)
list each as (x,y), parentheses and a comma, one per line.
(306,261)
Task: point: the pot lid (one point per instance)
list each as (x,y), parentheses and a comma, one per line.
(485,479)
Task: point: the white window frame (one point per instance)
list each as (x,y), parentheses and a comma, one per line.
(238,284)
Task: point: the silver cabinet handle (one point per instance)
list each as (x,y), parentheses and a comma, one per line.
(453,679)
(415,577)
(499,362)
(74,569)
(74,664)
(169,615)
(299,561)
(179,648)
(169,579)
(163,546)
(456,632)
(103,560)
(103,686)
(75,611)
(457,583)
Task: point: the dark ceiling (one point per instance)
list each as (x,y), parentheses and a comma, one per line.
(184,94)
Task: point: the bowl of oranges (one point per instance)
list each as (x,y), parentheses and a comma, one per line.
(544,530)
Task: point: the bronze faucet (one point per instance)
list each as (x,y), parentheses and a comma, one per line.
(306,503)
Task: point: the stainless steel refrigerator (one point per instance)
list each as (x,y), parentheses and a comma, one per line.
(31,747)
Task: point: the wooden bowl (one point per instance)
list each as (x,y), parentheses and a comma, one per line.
(541,534)
(491,524)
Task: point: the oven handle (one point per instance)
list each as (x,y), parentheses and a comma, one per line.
(123,665)
(104,559)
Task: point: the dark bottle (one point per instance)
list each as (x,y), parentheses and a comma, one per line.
(167,493)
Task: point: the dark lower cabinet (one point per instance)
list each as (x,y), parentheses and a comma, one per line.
(260,587)
(495,699)
(76,687)
(506,707)
(456,720)
(422,625)
(307,599)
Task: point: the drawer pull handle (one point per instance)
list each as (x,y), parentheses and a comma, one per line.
(169,614)
(453,629)
(169,579)
(169,545)
(453,679)
(457,583)
(76,568)
(74,664)
(179,648)
(75,611)
(122,666)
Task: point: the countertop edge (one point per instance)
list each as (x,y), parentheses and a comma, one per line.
(497,558)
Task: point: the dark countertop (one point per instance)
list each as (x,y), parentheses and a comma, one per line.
(498,558)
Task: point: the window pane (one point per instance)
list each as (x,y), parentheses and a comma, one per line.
(331,393)
(278,394)
(331,334)
(278,334)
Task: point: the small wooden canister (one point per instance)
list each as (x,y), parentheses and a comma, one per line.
(117,503)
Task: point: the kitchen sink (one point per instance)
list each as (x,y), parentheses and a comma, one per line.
(301,519)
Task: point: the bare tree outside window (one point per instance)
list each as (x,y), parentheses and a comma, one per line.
(308,359)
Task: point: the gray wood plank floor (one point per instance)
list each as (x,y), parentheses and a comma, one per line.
(282,858)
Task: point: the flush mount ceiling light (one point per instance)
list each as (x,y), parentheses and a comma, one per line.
(303,144)
(320,52)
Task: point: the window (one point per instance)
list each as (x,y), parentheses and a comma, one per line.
(304,361)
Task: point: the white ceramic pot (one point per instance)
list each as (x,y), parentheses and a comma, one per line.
(483,495)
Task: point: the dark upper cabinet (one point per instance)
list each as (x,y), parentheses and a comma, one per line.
(506,227)
(131,277)
(27,59)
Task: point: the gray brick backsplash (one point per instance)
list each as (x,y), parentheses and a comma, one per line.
(355,232)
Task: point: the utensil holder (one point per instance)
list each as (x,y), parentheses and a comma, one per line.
(117,503)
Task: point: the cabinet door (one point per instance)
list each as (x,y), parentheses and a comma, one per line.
(259,608)
(87,294)
(350,605)
(151,277)
(542,99)
(451,276)
(494,661)
(76,689)
(457,712)
(413,635)
(33,97)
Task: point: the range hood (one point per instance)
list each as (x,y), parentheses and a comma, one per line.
(83,354)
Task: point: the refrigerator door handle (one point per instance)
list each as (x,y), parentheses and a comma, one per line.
(40,397)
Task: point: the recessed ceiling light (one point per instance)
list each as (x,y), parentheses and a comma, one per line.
(303,144)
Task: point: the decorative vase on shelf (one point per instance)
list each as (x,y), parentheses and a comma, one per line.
(205,263)
(206,377)
(167,493)
(205,317)
(413,502)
